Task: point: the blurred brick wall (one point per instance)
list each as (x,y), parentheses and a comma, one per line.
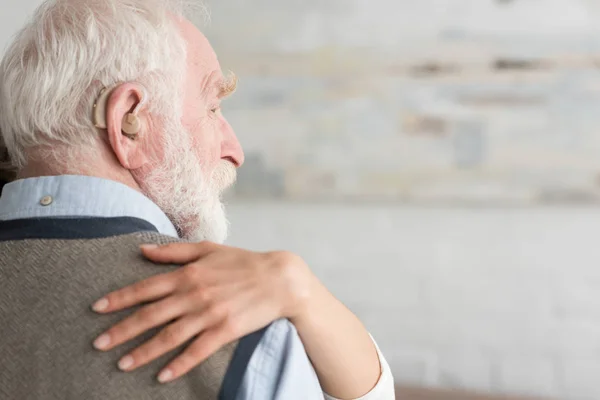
(492,300)
(447,102)
(483,101)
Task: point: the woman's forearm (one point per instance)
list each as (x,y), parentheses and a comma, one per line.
(340,348)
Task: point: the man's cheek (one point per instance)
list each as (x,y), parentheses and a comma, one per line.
(208,148)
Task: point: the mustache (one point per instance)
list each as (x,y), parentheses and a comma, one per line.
(224,176)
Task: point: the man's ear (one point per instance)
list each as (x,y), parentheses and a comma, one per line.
(126,123)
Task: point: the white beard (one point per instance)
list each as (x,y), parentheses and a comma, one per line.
(180,188)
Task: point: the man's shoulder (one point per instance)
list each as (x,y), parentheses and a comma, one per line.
(48,287)
(104,251)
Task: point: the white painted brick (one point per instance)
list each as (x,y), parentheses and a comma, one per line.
(465,369)
(357,286)
(415,367)
(482,295)
(578,338)
(529,376)
(577,297)
(403,329)
(581,378)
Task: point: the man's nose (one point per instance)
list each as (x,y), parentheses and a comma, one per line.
(231,149)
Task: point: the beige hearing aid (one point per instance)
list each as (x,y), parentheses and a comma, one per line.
(131,124)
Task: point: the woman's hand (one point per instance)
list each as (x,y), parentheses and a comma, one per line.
(224,294)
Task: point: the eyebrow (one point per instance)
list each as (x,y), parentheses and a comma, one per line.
(227,85)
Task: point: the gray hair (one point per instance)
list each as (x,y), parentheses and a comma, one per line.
(57,64)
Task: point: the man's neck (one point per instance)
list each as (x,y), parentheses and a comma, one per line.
(36,168)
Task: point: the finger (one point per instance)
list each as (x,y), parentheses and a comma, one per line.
(146,318)
(202,348)
(144,291)
(168,339)
(178,253)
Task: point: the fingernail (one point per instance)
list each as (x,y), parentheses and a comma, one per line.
(125,363)
(149,246)
(102,342)
(165,376)
(100,305)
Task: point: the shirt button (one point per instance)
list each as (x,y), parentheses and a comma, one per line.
(46,200)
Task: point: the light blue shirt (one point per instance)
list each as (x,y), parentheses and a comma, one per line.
(279,367)
(79,196)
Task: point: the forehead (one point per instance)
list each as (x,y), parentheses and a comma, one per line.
(201,58)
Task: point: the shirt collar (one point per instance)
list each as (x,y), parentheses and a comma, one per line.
(79,196)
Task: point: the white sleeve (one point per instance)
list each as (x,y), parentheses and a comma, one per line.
(384,390)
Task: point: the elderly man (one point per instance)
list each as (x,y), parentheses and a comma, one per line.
(111,114)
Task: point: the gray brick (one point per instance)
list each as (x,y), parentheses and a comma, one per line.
(416,367)
(465,369)
(529,376)
(581,378)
